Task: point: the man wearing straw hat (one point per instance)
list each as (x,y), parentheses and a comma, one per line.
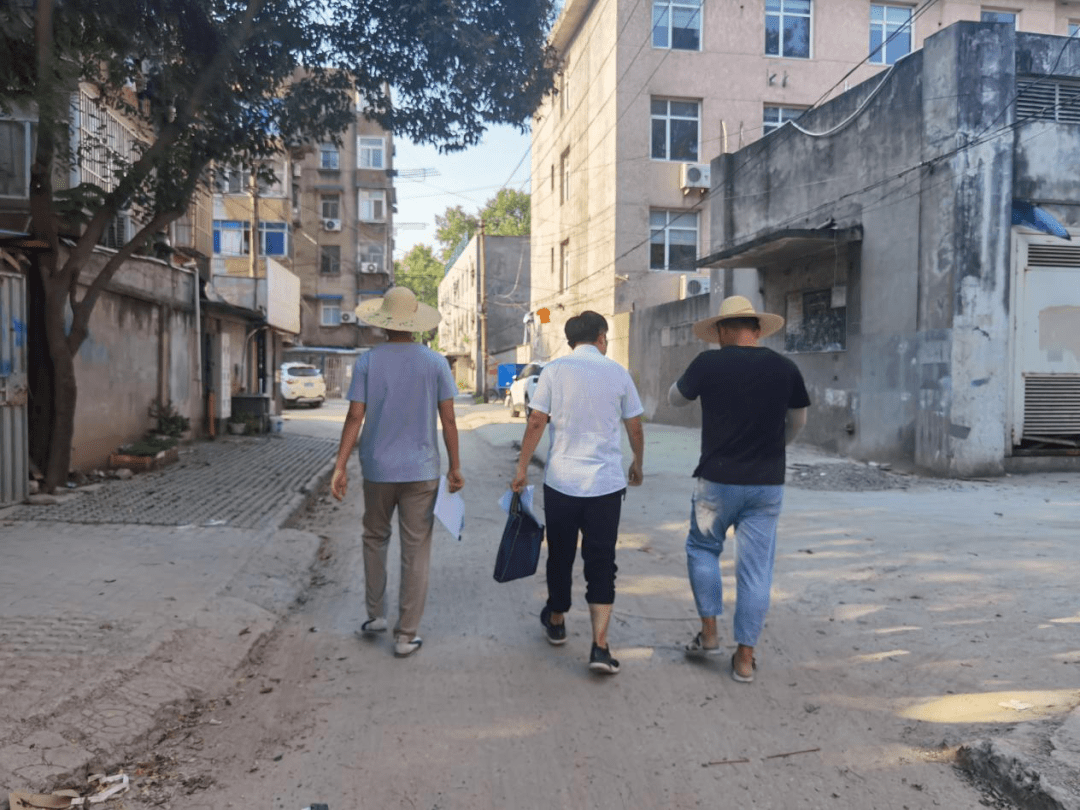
(753,403)
(397,389)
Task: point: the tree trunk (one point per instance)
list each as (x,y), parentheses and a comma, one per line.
(65,390)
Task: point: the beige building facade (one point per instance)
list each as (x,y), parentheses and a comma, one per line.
(651,92)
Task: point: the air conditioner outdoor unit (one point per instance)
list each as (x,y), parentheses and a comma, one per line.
(694,175)
(369,267)
(348,317)
(689,286)
(331,224)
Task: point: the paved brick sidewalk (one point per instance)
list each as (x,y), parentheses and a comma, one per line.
(240,483)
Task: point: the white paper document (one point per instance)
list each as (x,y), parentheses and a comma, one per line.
(450,509)
(526,502)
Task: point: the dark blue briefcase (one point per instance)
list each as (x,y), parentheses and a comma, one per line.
(519,551)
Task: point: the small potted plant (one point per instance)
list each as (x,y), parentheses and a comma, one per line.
(237,425)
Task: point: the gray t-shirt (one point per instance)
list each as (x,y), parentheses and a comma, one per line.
(402,385)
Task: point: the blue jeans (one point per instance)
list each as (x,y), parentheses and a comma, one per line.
(754,511)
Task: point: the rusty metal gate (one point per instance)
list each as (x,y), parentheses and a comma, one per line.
(14,452)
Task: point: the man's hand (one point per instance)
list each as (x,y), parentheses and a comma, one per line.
(521,480)
(454,480)
(636,475)
(339,484)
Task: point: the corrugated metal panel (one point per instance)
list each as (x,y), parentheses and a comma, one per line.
(14,459)
(1051,405)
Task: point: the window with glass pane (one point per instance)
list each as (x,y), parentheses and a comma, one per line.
(673,240)
(330,259)
(328,156)
(677,24)
(372,253)
(372,205)
(14,163)
(787,28)
(1074,29)
(990,15)
(331,206)
(370,151)
(776,117)
(674,130)
(274,238)
(890,33)
(231,237)
(330,313)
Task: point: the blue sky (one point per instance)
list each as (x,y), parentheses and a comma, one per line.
(468,178)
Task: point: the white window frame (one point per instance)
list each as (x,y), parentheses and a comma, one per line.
(371,204)
(1073,28)
(330,313)
(373,253)
(267,227)
(330,206)
(564,177)
(27,152)
(886,30)
(667,8)
(667,118)
(674,219)
(782,13)
(984,10)
(783,115)
(564,265)
(237,229)
(327,150)
(370,155)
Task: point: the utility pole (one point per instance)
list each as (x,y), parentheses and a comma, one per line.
(481,316)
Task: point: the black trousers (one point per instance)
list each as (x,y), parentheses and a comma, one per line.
(597,520)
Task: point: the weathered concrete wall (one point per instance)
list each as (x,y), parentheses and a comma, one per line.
(508,284)
(142,347)
(661,347)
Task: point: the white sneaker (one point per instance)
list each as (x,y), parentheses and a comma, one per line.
(404,647)
(376,625)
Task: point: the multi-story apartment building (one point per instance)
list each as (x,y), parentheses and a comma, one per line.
(342,211)
(651,91)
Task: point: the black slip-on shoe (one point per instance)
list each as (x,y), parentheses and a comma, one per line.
(556,633)
(600,660)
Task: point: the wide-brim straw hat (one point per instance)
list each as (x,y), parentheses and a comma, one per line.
(399,310)
(737,306)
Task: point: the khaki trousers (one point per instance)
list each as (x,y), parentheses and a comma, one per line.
(415,503)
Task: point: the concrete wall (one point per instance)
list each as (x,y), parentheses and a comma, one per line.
(925,374)
(508,282)
(142,347)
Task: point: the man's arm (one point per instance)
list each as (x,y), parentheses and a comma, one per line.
(355,418)
(795,421)
(675,397)
(454,479)
(533,431)
(636,433)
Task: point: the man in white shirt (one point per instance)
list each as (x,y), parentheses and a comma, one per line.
(585,396)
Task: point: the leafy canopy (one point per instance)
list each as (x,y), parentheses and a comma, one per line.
(505,214)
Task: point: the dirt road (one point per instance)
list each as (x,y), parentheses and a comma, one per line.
(904,622)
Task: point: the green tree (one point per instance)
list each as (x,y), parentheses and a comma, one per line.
(505,214)
(210,82)
(421,272)
(508,213)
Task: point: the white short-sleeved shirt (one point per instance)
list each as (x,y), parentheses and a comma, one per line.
(587,397)
(402,385)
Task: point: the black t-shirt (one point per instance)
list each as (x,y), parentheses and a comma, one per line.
(746,392)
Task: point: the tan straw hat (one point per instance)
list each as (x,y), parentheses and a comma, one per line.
(736,306)
(399,310)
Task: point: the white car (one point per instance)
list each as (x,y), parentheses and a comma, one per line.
(522,388)
(302,383)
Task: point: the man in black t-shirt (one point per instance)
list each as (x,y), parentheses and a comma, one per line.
(753,403)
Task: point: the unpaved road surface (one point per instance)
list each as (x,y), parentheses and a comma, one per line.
(905,621)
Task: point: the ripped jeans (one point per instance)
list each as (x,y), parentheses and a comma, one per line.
(754,512)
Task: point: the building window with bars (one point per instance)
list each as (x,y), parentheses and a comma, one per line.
(673,240)
(328,156)
(330,260)
(787,28)
(677,24)
(890,33)
(330,206)
(675,132)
